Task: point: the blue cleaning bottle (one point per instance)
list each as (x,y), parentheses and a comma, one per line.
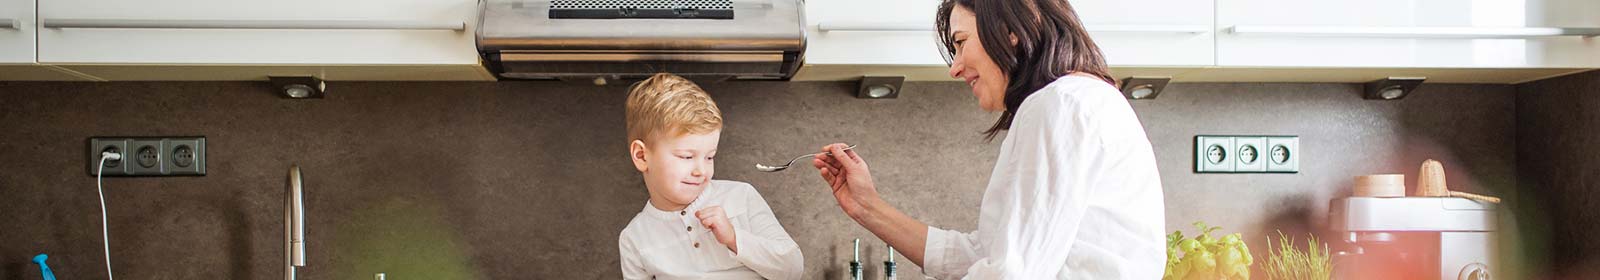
(44,269)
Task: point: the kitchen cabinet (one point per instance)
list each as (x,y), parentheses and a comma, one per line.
(897,35)
(1408,34)
(17,41)
(250,40)
(884,32)
(1151,33)
(16,32)
(1456,41)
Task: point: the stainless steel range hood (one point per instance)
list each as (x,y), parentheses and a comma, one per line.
(585,39)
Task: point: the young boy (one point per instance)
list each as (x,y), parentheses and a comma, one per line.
(692,226)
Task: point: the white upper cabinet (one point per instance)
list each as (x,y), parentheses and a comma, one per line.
(87,35)
(17,46)
(16,32)
(900,32)
(1151,33)
(1502,41)
(1408,33)
(879,32)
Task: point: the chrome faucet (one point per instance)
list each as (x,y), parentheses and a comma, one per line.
(855,260)
(888,266)
(294,224)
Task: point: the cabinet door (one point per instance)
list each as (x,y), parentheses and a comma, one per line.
(881,32)
(1151,32)
(1568,51)
(1405,33)
(288,46)
(898,32)
(16,32)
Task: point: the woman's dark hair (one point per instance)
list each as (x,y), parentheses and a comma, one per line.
(1051,43)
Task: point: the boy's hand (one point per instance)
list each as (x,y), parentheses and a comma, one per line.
(716,220)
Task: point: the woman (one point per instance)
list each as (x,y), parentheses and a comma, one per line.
(1075,193)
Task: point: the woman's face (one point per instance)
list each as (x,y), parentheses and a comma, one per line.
(973,65)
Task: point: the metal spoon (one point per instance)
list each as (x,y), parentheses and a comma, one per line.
(767,168)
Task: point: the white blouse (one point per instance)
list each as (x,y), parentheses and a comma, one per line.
(1074,195)
(674,245)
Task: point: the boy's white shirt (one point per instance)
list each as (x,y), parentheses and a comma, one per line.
(661,245)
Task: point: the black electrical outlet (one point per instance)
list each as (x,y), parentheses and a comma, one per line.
(184,156)
(149,156)
(98,146)
(146,158)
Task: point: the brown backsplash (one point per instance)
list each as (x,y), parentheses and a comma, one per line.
(1558,132)
(529,180)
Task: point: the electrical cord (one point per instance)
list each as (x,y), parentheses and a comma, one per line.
(98,186)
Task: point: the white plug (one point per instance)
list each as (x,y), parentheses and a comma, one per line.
(99,188)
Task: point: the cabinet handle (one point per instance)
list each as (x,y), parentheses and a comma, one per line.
(1128,28)
(829,26)
(1414,32)
(10,23)
(254,24)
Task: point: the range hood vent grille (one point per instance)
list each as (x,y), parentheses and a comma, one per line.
(610,9)
(637,69)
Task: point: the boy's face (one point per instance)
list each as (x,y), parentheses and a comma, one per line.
(676,169)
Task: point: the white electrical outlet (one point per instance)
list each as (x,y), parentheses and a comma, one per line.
(1283,154)
(1249,154)
(1213,154)
(1246,154)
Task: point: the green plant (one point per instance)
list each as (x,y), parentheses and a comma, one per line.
(1207,258)
(1289,263)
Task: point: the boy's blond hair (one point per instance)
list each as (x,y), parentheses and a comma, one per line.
(667,103)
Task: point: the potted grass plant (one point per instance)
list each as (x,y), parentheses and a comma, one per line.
(1285,262)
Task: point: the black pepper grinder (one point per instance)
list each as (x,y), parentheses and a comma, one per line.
(888,266)
(855,260)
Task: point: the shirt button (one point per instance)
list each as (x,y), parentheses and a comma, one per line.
(697,244)
(690,228)
(684,212)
